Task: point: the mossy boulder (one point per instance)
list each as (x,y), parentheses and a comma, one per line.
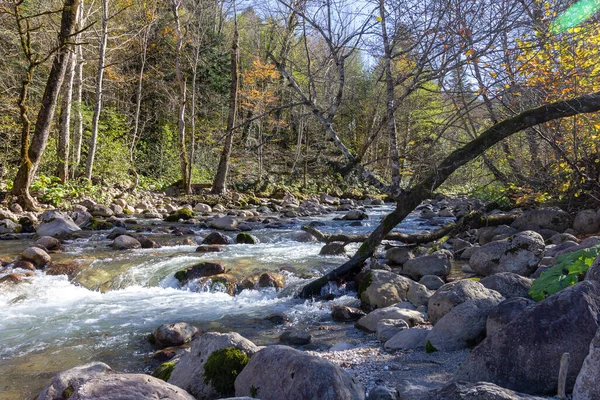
(222,367)
(164,371)
(245,238)
(183,213)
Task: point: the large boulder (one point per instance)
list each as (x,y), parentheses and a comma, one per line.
(508,284)
(100,210)
(382,289)
(399,255)
(355,215)
(506,311)
(520,253)
(49,243)
(66,382)
(432,264)
(189,370)
(202,208)
(586,385)
(177,334)
(370,321)
(491,233)
(224,224)
(333,249)
(125,242)
(544,218)
(412,338)
(8,226)
(525,354)
(587,221)
(128,387)
(454,293)
(37,256)
(464,326)
(56,224)
(280,372)
(217,238)
(476,391)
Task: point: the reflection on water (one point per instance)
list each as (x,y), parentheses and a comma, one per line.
(48,324)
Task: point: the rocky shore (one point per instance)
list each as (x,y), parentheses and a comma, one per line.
(457,318)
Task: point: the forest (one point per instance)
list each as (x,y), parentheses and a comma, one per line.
(308,97)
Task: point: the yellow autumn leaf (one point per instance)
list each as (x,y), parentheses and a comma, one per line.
(470,52)
(379,19)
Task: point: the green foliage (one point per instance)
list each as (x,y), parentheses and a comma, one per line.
(429,348)
(222,367)
(164,371)
(51,191)
(570,269)
(253,391)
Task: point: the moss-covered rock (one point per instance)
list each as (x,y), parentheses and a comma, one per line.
(96,224)
(164,371)
(183,213)
(222,367)
(245,238)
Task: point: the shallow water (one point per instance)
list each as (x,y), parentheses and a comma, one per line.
(49,324)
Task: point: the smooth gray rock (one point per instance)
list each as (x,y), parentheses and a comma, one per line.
(295,337)
(49,243)
(431,282)
(399,255)
(505,312)
(476,391)
(8,226)
(412,338)
(586,221)
(369,322)
(524,355)
(37,256)
(586,385)
(388,328)
(333,249)
(125,242)
(280,372)
(224,224)
(520,253)
(100,210)
(355,215)
(464,326)
(189,371)
(56,224)
(128,387)
(387,288)
(546,218)
(508,284)
(489,234)
(343,313)
(168,335)
(72,378)
(454,293)
(383,393)
(202,208)
(432,264)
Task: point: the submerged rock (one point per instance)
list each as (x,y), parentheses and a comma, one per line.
(216,238)
(203,269)
(176,334)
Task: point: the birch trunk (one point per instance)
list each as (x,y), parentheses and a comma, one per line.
(183,157)
(64,137)
(78,124)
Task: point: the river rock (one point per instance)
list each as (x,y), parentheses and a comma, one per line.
(464,326)
(37,256)
(127,387)
(147,243)
(271,280)
(205,268)
(399,255)
(333,249)
(525,354)
(65,383)
(116,232)
(489,234)
(224,223)
(245,238)
(189,371)
(176,334)
(412,338)
(505,312)
(295,337)
(218,208)
(7,214)
(217,238)
(100,210)
(202,208)
(508,284)
(388,328)
(545,218)
(280,372)
(355,215)
(454,293)
(432,264)
(343,313)
(56,224)
(586,385)
(125,242)
(8,226)
(212,248)
(49,243)
(369,322)
(383,288)
(520,253)
(431,282)
(476,391)
(587,221)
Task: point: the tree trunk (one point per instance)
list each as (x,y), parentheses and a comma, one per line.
(183,158)
(64,137)
(31,158)
(188,188)
(78,100)
(221,175)
(409,200)
(99,92)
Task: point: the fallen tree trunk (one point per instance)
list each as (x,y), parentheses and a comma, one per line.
(472,220)
(407,201)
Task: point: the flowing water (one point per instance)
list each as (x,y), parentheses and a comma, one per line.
(49,324)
